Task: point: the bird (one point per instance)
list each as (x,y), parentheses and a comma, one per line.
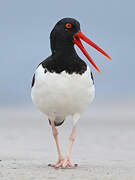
(63,84)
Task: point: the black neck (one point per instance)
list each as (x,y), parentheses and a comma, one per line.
(64,58)
(65,47)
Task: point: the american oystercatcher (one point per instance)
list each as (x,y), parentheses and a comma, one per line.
(63,83)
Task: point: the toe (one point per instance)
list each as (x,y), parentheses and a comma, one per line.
(57,165)
(68,163)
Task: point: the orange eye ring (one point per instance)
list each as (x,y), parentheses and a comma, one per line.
(68,25)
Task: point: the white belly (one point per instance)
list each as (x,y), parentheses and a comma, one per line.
(62,94)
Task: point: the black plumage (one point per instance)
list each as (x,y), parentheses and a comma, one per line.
(64,56)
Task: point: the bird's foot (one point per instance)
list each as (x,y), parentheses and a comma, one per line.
(58,163)
(63,163)
(67,163)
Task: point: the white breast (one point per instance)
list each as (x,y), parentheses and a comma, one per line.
(62,94)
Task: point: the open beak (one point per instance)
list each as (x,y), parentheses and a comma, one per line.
(78,42)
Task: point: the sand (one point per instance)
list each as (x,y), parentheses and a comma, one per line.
(104,148)
(38,170)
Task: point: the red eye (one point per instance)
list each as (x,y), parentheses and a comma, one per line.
(68,25)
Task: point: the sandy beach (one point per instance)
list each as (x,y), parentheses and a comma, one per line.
(104,148)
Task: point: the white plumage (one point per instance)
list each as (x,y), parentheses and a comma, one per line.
(63,94)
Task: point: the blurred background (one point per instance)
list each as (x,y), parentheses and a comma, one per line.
(24,43)
(25,27)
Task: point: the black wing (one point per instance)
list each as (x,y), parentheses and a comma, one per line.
(92,77)
(33,81)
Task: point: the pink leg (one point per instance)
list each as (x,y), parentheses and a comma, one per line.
(67,161)
(60,158)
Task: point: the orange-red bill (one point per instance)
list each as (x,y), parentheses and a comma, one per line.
(77,41)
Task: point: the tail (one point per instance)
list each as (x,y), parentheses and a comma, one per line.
(58,121)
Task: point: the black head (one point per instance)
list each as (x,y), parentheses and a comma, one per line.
(66,33)
(62,33)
